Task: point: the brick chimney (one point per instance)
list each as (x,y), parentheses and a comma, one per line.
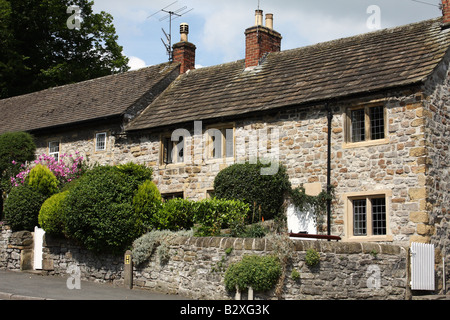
(184,51)
(260,40)
(446,13)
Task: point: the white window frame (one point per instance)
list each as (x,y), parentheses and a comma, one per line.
(51,149)
(97,136)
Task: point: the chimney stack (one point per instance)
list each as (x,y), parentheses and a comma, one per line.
(260,40)
(446,13)
(184,51)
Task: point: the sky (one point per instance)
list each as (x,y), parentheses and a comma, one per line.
(217,27)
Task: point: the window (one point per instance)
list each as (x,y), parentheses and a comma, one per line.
(170,196)
(220,143)
(368,216)
(100,141)
(172,151)
(366,124)
(53,149)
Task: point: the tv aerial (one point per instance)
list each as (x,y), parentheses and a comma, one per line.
(171,15)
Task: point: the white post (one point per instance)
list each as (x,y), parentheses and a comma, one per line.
(238,294)
(250,293)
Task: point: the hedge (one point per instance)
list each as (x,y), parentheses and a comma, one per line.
(22,208)
(100,213)
(246,183)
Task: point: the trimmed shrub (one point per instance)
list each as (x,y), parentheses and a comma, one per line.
(51,215)
(174,215)
(43,180)
(259,272)
(212,215)
(147,202)
(100,213)
(22,208)
(246,183)
(136,172)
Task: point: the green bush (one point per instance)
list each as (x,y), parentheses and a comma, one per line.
(147,202)
(212,215)
(312,258)
(259,272)
(246,183)
(174,215)
(51,216)
(43,180)
(22,207)
(136,172)
(100,213)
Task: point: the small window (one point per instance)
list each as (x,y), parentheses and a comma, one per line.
(170,196)
(172,151)
(221,143)
(366,124)
(53,149)
(100,141)
(369,216)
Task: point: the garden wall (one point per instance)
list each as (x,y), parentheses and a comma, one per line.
(195,267)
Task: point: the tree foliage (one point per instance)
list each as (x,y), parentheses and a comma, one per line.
(39,51)
(15,148)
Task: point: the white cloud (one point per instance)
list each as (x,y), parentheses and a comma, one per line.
(136,63)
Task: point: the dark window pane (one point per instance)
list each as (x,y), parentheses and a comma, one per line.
(379,216)
(358,125)
(359,217)
(377,122)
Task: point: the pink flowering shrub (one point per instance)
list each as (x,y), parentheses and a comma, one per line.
(66,169)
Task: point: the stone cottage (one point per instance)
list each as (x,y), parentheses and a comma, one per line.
(368,114)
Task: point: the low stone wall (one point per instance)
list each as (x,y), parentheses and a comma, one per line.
(195,267)
(16,249)
(346,270)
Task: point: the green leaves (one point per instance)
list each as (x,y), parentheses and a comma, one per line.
(39,51)
(246,183)
(100,212)
(259,272)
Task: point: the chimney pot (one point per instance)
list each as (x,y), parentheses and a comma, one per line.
(184,31)
(258,18)
(269,21)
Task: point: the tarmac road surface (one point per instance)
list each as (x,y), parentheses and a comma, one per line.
(28,286)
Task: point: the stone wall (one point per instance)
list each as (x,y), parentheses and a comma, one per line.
(16,249)
(196,269)
(435,222)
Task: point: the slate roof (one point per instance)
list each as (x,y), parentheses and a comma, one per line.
(374,61)
(84,101)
